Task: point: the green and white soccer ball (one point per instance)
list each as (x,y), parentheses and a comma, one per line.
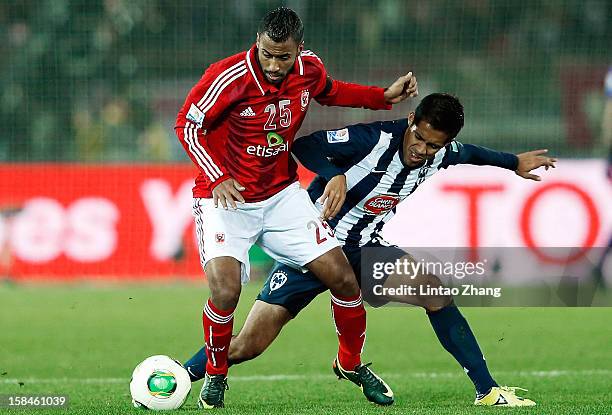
(159,383)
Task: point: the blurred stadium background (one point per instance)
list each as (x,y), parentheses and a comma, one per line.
(89,91)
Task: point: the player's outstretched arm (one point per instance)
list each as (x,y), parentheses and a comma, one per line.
(404,87)
(532,160)
(346,94)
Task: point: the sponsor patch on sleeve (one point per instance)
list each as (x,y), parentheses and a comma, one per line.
(195,115)
(338,136)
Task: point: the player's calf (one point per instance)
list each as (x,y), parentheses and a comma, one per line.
(242,349)
(218,320)
(263,324)
(348,312)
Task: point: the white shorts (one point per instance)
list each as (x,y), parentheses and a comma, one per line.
(286,226)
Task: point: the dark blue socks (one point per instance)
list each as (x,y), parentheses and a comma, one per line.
(455,334)
(196,366)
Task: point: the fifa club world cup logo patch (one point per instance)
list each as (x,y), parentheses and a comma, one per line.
(381,204)
(220,237)
(338,136)
(304,99)
(195,115)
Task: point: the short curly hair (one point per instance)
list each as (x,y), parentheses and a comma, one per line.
(281,24)
(443,111)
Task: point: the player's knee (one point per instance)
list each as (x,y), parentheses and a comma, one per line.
(225,297)
(223,276)
(345,282)
(224,292)
(436,302)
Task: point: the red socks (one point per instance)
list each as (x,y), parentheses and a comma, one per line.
(350,320)
(349,317)
(218,326)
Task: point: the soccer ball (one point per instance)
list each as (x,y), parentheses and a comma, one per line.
(159,383)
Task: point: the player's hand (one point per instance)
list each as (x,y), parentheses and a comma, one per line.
(228,193)
(531,160)
(405,86)
(333,196)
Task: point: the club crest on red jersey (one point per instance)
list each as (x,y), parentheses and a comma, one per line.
(305,99)
(381,204)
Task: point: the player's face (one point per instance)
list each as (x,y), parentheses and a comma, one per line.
(276,58)
(421,142)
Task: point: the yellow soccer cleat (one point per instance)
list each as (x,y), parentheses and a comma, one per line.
(504,396)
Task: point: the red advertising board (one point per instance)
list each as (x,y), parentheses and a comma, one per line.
(134,221)
(106,221)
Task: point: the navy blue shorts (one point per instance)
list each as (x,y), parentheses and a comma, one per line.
(294,290)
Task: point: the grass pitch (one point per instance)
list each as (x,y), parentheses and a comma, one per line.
(84,341)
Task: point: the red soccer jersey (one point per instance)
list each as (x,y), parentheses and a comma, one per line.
(236,124)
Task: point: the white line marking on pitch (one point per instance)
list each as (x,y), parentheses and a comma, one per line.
(318,376)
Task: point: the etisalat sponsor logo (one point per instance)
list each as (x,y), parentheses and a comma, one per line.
(412,269)
(276,145)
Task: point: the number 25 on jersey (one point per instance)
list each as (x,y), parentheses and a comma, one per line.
(284,115)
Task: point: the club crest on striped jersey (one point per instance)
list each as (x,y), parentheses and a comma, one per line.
(195,115)
(305,99)
(338,136)
(378,205)
(220,237)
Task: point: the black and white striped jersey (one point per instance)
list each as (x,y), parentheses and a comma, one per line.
(371,158)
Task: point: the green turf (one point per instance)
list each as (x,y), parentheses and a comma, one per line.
(84,341)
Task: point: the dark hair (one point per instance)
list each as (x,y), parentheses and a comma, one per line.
(282,23)
(443,111)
